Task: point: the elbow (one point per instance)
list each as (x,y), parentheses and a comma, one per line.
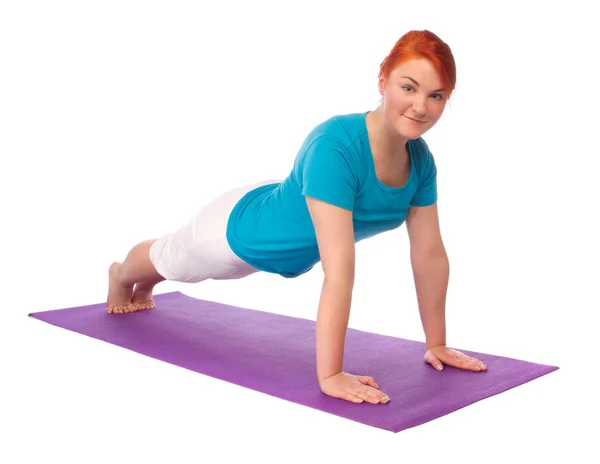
(339,278)
(339,269)
(420,255)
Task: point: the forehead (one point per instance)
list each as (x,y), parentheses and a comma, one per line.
(421,70)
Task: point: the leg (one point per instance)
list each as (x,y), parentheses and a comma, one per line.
(136,269)
(195,252)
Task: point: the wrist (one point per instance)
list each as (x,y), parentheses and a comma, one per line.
(331,327)
(429,346)
(322,379)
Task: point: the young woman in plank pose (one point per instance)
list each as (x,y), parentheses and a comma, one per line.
(355,176)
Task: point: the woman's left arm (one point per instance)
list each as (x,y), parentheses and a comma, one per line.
(431,271)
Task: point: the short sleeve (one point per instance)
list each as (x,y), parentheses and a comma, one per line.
(426,193)
(326,173)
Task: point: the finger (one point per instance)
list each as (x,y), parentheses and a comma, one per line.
(384,398)
(463,363)
(362,395)
(373,396)
(371,382)
(472,364)
(365,380)
(379,395)
(352,398)
(460,360)
(434,361)
(479,363)
(457,359)
(471,359)
(366,395)
(476,363)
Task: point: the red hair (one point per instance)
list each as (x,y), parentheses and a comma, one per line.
(423,44)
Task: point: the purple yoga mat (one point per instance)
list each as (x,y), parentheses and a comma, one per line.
(275,354)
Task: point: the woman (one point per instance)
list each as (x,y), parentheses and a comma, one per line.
(355,176)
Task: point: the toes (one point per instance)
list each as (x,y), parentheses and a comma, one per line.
(118,309)
(143,305)
(115,309)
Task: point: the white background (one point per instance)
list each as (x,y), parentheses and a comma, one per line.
(119,119)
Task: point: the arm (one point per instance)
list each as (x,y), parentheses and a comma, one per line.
(431,270)
(335,237)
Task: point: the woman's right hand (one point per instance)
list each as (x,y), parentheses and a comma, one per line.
(353,388)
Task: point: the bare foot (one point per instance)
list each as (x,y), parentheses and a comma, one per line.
(142,296)
(119,296)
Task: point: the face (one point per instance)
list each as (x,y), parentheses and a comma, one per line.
(412,99)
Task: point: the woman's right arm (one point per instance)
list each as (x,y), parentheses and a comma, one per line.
(335,237)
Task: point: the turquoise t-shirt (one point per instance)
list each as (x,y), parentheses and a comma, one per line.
(270,228)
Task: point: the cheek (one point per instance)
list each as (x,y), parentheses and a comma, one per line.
(433,114)
(395,105)
(436,112)
(438,108)
(398,100)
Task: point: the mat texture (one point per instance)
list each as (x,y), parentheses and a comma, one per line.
(275,354)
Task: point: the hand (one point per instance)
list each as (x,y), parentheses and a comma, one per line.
(354,388)
(441,354)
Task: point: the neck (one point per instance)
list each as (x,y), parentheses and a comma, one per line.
(384,139)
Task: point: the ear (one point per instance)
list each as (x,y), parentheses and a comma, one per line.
(381,83)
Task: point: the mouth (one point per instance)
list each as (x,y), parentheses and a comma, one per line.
(414,120)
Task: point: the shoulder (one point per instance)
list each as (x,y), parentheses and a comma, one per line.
(420,149)
(342,130)
(422,156)
(333,145)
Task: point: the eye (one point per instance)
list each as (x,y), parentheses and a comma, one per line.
(407,85)
(440,97)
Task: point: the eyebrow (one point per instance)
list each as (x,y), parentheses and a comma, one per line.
(418,85)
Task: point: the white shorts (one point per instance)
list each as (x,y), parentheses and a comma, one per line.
(199,250)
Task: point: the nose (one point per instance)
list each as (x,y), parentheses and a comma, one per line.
(420,109)
(419,112)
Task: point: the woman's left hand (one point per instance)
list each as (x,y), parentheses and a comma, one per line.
(439,355)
